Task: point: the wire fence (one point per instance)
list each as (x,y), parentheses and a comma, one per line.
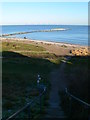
(85,107)
(28,107)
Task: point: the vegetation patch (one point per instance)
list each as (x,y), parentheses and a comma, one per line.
(17,46)
(21,65)
(77,79)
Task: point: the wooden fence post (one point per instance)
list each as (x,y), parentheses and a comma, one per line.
(40,104)
(70,106)
(29,113)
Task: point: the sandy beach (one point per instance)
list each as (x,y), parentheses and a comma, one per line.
(53,47)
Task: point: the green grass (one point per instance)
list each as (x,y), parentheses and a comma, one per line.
(77,77)
(14,46)
(21,65)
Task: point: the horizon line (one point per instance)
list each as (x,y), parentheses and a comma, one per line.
(42,24)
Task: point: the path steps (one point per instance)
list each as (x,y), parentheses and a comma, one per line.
(54,110)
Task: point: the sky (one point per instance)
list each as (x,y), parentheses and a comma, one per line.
(63,13)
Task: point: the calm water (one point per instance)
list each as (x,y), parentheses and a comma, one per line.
(75,34)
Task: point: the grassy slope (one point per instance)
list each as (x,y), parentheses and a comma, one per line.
(77,77)
(13,46)
(21,64)
(76,72)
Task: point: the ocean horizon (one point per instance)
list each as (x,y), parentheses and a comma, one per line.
(76,34)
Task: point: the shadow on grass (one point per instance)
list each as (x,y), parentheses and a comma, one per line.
(19,74)
(38,64)
(77,78)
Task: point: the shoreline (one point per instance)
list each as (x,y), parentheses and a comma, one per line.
(43,41)
(57,48)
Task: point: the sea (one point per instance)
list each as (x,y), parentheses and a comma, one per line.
(75,34)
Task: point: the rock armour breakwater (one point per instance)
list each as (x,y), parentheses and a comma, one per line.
(18,33)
